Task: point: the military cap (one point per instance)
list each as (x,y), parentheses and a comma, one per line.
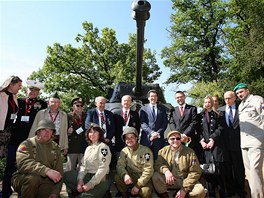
(55,95)
(129,130)
(173,132)
(98,128)
(46,124)
(240,86)
(34,84)
(76,100)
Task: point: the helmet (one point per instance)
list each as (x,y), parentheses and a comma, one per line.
(46,124)
(129,130)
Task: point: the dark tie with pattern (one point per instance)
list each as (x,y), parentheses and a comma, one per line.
(153,112)
(102,119)
(230,116)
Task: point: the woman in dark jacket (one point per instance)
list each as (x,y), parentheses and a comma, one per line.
(212,142)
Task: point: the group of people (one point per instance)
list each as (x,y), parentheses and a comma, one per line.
(35,135)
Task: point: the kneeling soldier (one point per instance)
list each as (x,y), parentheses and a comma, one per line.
(39,164)
(177,167)
(134,166)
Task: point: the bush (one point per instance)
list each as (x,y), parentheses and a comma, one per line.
(2,167)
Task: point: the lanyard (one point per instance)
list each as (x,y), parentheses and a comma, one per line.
(78,122)
(13,105)
(102,117)
(53,120)
(27,105)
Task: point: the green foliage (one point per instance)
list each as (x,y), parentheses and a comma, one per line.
(216,44)
(2,167)
(196,53)
(95,66)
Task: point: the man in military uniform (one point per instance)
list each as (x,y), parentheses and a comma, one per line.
(39,164)
(28,108)
(177,167)
(134,166)
(251,117)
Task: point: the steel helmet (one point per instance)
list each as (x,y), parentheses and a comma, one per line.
(128,130)
(46,124)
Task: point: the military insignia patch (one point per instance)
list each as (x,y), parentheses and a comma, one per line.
(104,151)
(147,156)
(22,148)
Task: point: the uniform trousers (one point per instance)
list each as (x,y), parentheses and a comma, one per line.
(145,191)
(99,190)
(159,182)
(32,186)
(253,162)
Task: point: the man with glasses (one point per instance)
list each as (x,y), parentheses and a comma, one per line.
(177,167)
(28,108)
(234,171)
(76,132)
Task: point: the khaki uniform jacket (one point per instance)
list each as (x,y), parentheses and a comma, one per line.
(139,162)
(34,157)
(251,117)
(44,114)
(96,160)
(189,167)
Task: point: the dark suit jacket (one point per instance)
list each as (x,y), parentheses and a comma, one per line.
(231,133)
(185,124)
(92,116)
(149,124)
(119,123)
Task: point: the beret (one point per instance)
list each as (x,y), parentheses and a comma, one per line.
(240,86)
(76,100)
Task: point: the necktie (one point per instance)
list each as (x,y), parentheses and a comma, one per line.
(153,112)
(125,117)
(102,119)
(230,116)
(181,110)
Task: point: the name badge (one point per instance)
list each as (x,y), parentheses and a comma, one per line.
(24,118)
(80,130)
(13,116)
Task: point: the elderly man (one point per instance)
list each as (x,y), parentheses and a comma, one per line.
(177,167)
(134,166)
(28,108)
(124,117)
(58,117)
(39,164)
(251,117)
(102,117)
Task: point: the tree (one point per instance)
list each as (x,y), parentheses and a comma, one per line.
(95,65)
(196,53)
(216,43)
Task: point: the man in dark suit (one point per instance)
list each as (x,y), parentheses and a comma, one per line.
(235,171)
(184,119)
(154,121)
(124,117)
(102,117)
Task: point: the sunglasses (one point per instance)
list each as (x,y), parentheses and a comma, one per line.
(79,105)
(173,139)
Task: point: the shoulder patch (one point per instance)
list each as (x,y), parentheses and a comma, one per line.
(22,148)
(147,156)
(104,151)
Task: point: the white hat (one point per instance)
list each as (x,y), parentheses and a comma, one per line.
(34,84)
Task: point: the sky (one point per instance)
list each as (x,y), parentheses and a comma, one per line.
(28,27)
